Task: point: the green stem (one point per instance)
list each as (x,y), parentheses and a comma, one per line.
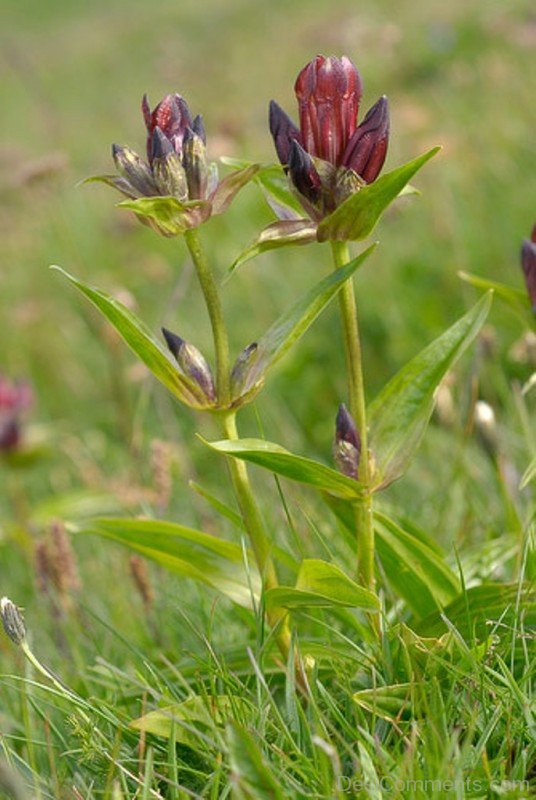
(239,474)
(215,312)
(356,393)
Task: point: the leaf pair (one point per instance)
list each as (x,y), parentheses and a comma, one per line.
(269,349)
(398,418)
(353,220)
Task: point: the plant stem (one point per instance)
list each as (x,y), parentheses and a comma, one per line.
(239,474)
(215,312)
(356,393)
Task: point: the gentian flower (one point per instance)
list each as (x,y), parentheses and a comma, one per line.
(15,399)
(528,263)
(177,188)
(329,157)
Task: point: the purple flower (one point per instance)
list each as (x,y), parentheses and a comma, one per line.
(347,443)
(528,263)
(329,156)
(15,399)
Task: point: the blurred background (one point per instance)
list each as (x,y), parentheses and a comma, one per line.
(73,74)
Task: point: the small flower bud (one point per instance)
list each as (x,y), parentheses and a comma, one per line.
(168,171)
(171,115)
(366,150)
(283,131)
(194,161)
(240,374)
(528,262)
(347,443)
(303,173)
(192,363)
(13,621)
(135,170)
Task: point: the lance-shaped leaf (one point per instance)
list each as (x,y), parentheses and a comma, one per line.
(474,611)
(415,569)
(228,188)
(278,234)
(293,324)
(140,339)
(171,216)
(399,415)
(515,298)
(185,551)
(387,702)
(356,218)
(417,573)
(297,468)
(321,585)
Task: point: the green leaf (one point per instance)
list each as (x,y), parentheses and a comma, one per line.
(278,234)
(169,215)
(195,713)
(399,415)
(321,584)
(474,611)
(228,187)
(388,702)
(185,551)
(417,573)
(249,769)
(140,339)
(73,506)
(294,323)
(356,218)
(297,468)
(516,298)
(275,185)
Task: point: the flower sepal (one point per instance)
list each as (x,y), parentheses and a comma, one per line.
(356,218)
(168,215)
(278,234)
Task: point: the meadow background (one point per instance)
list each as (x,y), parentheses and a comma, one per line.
(72,78)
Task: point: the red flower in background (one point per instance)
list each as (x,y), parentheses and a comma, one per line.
(15,399)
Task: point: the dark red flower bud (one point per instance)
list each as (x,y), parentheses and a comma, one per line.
(171,115)
(303,173)
(15,399)
(328,92)
(283,131)
(366,150)
(192,363)
(347,444)
(528,262)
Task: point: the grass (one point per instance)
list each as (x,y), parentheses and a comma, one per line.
(73,76)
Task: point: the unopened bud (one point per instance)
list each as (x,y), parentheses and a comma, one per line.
(528,263)
(13,621)
(135,170)
(168,172)
(347,443)
(192,363)
(486,427)
(195,165)
(303,173)
(240,374)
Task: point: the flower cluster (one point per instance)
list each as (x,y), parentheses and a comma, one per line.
(15,399)
(177,170)
(329,157)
